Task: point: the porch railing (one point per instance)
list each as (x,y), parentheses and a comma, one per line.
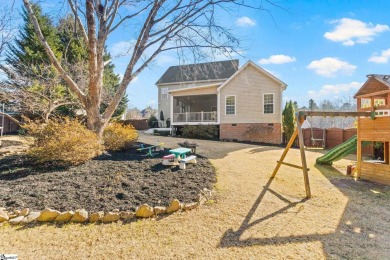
(195,117)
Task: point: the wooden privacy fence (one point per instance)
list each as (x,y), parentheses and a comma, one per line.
(333,137)
(9,126)
(139,124)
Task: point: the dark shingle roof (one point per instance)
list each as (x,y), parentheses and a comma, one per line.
(200,71)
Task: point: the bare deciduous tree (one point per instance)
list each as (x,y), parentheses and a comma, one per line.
(7,25)
(7,32)
(160,26)
(36,96)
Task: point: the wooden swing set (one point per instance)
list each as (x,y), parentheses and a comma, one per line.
(300,117)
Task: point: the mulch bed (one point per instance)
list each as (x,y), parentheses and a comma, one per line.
(118,180)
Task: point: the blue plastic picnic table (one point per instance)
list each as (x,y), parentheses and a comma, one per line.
(180,152)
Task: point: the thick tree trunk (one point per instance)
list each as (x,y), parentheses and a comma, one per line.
(95,122)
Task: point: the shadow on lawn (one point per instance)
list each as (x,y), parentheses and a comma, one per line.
(362,231)
(232,238)
(263,149)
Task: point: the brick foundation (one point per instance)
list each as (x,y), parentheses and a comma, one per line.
(261,133)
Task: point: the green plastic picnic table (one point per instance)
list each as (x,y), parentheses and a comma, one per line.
(180,152)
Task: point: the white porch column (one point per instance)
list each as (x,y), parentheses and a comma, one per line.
(201,114)
(218,107)
(171,109)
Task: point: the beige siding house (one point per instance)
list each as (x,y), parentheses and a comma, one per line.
(244,102)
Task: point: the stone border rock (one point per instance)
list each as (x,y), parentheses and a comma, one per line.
(23,217)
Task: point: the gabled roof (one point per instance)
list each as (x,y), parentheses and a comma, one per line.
(199,72)
(374,83)
(261,70)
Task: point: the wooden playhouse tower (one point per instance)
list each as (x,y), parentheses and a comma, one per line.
(374,97)
(373,125)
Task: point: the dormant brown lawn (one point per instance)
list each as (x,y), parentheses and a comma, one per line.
(253,217)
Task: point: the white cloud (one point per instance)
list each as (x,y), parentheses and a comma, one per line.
(122,48)
(382,58)
(245,21)
(335,90)
(163,59)
(330,67)
(134,80)
(351,31)
(277,59)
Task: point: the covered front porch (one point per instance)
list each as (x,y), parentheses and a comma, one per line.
(195,109)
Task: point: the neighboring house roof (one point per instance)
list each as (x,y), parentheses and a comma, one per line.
(374,83)
(266,73)
(305,124)
(199,72)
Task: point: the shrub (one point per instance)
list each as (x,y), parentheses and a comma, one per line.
(152,122)
(200,131)
(62,141)
(161,132)
(117,136)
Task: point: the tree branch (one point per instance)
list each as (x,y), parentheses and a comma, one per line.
(51,55)
(11,118)
(77,17)
(127,17)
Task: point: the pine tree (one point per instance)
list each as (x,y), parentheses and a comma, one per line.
(33,86)
(313,105)
(27,54)
(29,69)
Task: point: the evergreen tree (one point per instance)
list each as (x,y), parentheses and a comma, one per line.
(288,120)
(29,69)
(111,84)
(296,108)
(313,105)
(33,86)
(27,49)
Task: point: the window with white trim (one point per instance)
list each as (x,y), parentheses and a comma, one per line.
(230,108)
(268,103)
(164,93)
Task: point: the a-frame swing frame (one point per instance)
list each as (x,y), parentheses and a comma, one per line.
(300,117)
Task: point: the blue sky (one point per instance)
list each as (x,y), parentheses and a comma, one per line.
(320,49)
